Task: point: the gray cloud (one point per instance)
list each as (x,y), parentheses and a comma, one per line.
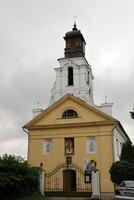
(31,40)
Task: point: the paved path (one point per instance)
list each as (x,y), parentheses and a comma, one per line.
(104,196)
(78,198)
(67,198)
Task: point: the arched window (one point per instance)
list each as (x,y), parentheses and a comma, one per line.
(70,76)
(69,113)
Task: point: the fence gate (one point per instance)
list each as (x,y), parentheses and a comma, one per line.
(67,180)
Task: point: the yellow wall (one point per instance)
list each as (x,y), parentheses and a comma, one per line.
(103,154)
(56,114)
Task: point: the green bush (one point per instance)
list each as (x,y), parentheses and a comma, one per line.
(17,178)
(122,170)
(127,152)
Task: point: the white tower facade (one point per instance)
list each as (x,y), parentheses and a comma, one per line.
(74,74)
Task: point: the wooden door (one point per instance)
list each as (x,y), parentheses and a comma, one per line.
(69,180)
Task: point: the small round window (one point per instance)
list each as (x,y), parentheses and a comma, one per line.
(69,113)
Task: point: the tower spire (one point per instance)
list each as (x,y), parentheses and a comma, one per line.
(75,43)
(74,27)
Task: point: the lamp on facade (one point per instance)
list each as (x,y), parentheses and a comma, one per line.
(68,160)
(41,165)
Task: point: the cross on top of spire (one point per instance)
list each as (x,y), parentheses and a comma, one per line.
(74,27)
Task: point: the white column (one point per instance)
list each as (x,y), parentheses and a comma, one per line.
(96,185)
(41,181)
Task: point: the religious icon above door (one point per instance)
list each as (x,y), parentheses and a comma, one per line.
(69,146)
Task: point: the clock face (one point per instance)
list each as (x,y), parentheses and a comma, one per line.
(73,42)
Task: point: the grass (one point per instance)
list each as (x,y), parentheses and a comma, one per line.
(36,197)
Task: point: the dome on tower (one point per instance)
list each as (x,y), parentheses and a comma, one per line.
(75,43)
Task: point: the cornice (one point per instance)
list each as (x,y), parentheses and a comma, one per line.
(70,125)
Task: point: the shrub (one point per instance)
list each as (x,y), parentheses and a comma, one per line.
(122,170)
(17,178)
(127,151)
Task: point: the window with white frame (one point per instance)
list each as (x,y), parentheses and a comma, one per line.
(91,145)
(70,76)
(118,147)
(47,146)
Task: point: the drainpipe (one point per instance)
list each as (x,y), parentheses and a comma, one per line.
(26,131)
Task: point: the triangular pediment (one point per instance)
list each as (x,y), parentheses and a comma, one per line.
(53,114)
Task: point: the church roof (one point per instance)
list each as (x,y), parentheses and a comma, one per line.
(109,119)
(69,96)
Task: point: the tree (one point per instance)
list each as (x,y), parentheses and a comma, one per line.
(17,178)
(121,170)
(124,169)
(127,151)
(132,114)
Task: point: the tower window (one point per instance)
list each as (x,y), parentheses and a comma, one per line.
(69,113)
(70,76)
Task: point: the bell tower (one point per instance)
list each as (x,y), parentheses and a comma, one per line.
(74,74)
(75,43)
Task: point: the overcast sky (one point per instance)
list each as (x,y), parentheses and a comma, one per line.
(31,41)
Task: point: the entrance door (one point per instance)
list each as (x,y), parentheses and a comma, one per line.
(69,180)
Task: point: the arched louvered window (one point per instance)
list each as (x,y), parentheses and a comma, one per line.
(70,76)
(70,113)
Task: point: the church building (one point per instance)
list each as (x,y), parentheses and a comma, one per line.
(73,129)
